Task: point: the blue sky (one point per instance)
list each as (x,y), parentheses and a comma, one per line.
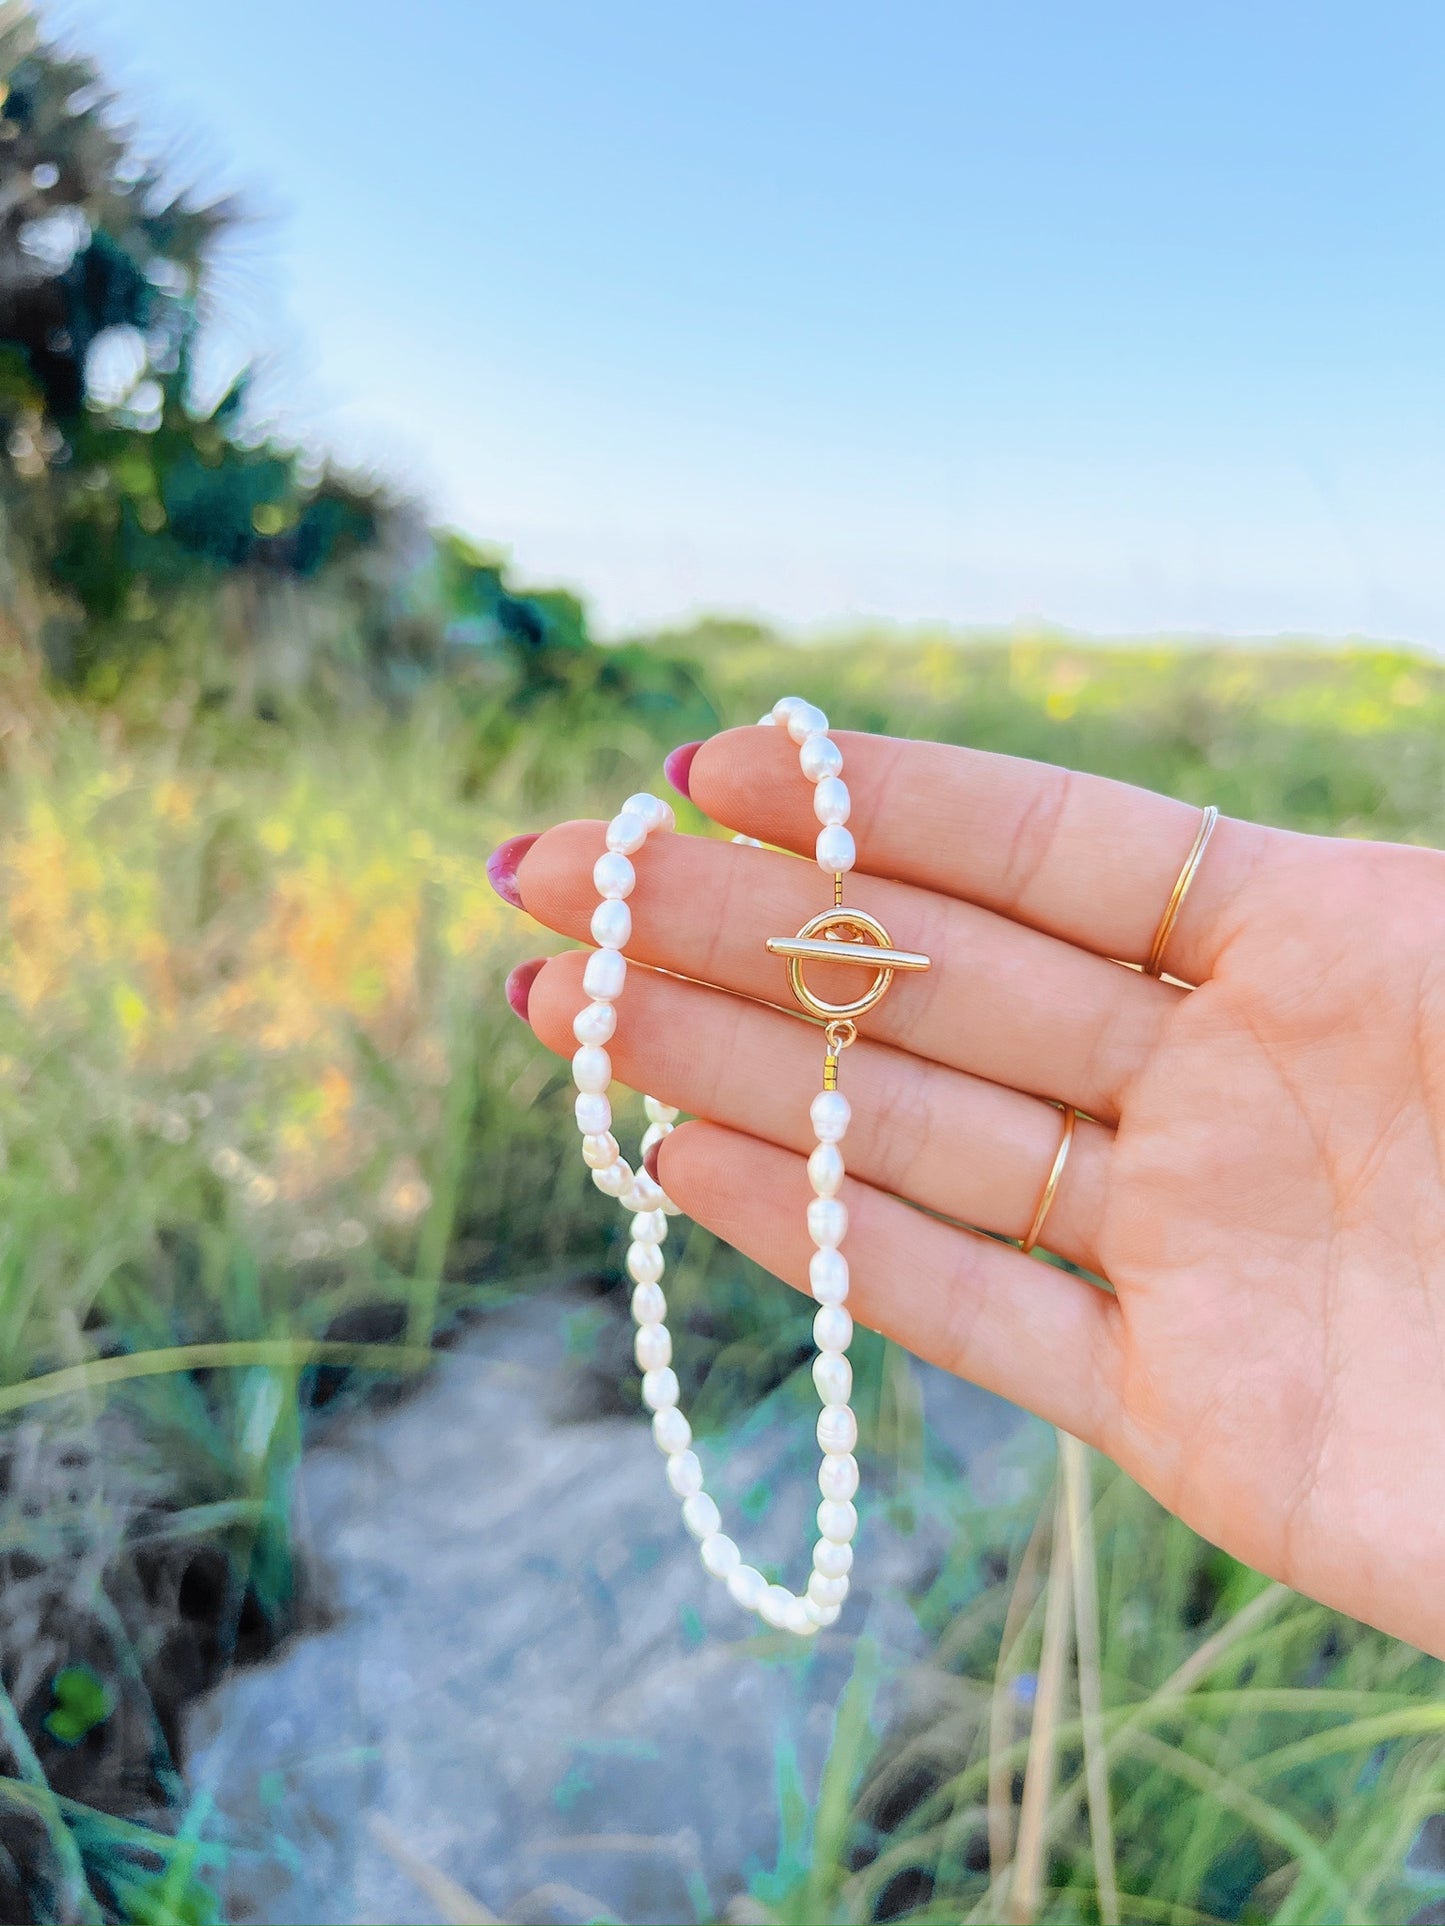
(1125,317)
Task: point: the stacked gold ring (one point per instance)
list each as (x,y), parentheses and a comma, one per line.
(1154,967)
(1051,1182)
(1186,876)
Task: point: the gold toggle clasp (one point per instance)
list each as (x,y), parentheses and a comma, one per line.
(817,943)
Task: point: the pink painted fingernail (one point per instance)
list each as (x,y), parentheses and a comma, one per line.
(677,765)
(649,1162)
(519,984)
(502,866)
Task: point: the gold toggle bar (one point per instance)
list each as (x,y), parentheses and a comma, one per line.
(825,950)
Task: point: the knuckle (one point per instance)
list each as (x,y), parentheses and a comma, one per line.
(1035,834)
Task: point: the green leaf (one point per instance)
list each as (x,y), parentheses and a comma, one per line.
(82,1702)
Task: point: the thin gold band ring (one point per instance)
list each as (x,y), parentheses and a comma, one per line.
(1155,965)
(1051,1182)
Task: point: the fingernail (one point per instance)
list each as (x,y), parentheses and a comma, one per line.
(649,1161)
(519,984)
(502,866)
(677,765)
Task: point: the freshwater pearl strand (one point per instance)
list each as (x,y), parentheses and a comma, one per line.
(638,1193)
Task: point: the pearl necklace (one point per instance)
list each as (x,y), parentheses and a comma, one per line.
(820,939)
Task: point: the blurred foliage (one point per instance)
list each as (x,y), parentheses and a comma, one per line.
(122,499)
(148,531)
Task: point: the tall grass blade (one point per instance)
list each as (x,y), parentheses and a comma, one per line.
(1022,1599)
(240,1354)
(453,1902)
(1026,1883)
(1078,1506)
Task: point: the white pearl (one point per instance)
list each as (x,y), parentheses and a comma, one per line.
(720,1555)
(833,1561)
(831,802)
(774,1607)
(701,1515)
(660,1389)
(614,875)
(832,1328)
(838,1520)
(591,1068)
(784,707)
(827,1591)
(684,1473)
(823,1615)
(645,1194)
(837,1429)
(652,1347)
(838,1475)
(827,1222)
(836,849)
(660,1113)
(820,756)
(613,1181)
(626,833)
(611,924)
(671,1431)
(605,974)
(769,721)
(806,720)
(799,1620)
(666,1204)
(747,1586)
(656,813)
(595,1022)
(648,1227)
(600,1151)
(645,1263)
(825,1169)
(593,1113)
(653,1134)
(828,1275)
(831,1114)
(649,1305)
(833,1376)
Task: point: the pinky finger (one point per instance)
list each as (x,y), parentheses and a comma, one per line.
(1038,1336)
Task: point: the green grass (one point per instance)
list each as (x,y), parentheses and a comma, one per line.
(267,1126)
(1255,1756)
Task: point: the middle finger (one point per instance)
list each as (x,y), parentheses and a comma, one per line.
(1001,1001)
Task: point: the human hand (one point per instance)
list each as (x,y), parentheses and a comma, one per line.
(1258,1173)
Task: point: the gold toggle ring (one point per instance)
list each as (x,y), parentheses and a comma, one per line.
(816,943)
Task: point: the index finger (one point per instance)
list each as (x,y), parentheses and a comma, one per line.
(1079,856)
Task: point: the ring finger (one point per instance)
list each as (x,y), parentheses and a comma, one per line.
(968,1149)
